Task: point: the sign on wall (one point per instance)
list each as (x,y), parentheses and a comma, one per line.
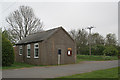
(69,52)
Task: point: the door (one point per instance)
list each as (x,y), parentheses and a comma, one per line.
(59,56)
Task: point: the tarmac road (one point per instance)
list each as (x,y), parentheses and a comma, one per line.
(58,71)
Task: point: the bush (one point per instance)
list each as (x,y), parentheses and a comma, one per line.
(7,52)
(118,48)
(97,49)
(83,50)
(110,51)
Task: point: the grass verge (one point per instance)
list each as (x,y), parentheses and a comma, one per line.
(17,65)
(103,74)
(95,58)
(106,73)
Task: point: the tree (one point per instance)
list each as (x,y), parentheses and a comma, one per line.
(23,22)
(110,51)
(0,46)
(6,33)
(98,49)
(97,39)
(0,31)
(111,39)
(81,38)
(73,34)
(7,52)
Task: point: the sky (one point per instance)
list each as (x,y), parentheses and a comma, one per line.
(103,15)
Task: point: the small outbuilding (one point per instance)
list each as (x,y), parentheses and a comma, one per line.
(49,47)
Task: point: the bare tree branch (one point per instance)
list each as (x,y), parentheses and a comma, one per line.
(23,22)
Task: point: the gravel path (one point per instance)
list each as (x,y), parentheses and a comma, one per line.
(58,71)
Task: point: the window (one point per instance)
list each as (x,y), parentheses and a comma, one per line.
(36,50)
(20,50)
(28,51)
(59,51)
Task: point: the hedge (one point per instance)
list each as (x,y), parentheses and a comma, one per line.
(7,52)
(97,49)
(110,51)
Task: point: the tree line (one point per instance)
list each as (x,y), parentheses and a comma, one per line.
(99,45)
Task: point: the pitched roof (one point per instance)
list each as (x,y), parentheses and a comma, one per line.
(39,36)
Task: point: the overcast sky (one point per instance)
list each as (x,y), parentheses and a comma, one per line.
(70,15)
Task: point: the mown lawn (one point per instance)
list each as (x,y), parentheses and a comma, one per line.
(106,73)
(17,65)
(95,58)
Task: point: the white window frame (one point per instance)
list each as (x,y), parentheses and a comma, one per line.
(20,47)
(28,47)
(36,48)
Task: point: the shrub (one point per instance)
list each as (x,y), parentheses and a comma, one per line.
(83,50)
(118,48)
(7,52)
(110,51)
(97,49)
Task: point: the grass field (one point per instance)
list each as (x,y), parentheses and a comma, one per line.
(95,58)
(106,73)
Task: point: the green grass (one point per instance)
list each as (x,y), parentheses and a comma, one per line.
(17,65)
(95,58)
(106,73)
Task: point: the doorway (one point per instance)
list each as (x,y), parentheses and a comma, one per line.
(59,56)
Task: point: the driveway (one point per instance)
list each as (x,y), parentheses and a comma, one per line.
(58,71)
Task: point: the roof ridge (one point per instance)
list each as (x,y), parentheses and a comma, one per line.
(46,30)
(38,36)
(53,28)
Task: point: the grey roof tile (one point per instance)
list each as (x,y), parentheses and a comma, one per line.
(39,36)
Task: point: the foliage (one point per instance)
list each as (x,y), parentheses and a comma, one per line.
(0,30)
(7,52)
(97,49)
(73,34)
(118,48)
(110,51)
(7,35)
(97,39)
(111,39)
(83,50)
(98,42)
(0,47)
(80,37)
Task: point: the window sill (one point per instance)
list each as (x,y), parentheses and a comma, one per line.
(20,54)
(28,56)
(36,57)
